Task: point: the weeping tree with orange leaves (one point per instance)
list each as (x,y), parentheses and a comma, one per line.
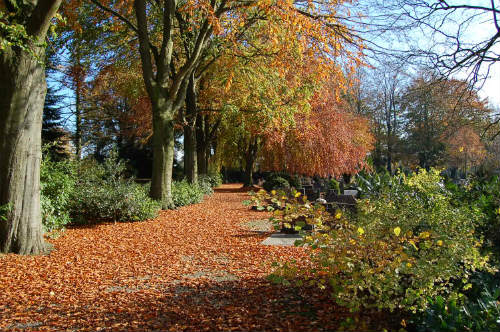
(327,141)
(168,63)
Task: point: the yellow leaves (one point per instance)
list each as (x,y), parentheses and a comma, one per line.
(229,82)
(397,231)
(425,235)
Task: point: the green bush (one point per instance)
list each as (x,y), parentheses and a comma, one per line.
(102,194)
(57,180)
(274,183)
(184,193)
(482,194)
(215,179)
(334,185)
(482,314)
(407,244)
(4,210)
(205,182)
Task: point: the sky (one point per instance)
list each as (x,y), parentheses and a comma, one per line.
(491,88)
(473,27)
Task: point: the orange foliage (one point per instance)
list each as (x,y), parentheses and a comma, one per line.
(465,148)
(327,141)
(118,92)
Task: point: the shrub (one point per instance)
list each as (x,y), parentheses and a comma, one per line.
(482,194)
(482,314)
(4,210)
(406,245)
(102,194)
(57,180)
(334,185)
(184,193)
(215,179)
(274,183)
(205,184)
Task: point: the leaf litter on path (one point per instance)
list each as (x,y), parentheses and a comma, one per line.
(192,269)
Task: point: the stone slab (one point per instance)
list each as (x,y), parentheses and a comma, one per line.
(281,239)
(351,192)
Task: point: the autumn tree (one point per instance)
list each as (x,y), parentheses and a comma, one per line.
(168,66)
(23,28)
(251,99)
(465,149)
(382,90)
(434,110)
(328,141)
(119,114)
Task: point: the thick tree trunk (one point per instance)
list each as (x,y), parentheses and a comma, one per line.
(163,154)
(22,95)
(190,151)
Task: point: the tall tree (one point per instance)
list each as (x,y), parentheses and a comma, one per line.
(434,110)
(23,28)
(53,132)
(465,149)
(167,65)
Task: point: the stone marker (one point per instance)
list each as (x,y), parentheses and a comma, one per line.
(281,239)
(351,192)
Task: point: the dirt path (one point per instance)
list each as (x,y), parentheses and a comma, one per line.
(193,269)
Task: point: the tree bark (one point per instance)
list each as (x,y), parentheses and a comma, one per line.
(250,158)
(190,151)
(22,95)
(201,145)
(163,153)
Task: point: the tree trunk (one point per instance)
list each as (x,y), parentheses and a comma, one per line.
(250,157)
(163,154)
(201,145)
(190,152)
(249,165)
(22,95)
(78,126)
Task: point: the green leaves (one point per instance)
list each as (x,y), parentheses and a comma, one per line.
(407,243)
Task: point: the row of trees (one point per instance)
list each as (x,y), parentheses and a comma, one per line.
(221,72)
(241,81)
(425,120)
